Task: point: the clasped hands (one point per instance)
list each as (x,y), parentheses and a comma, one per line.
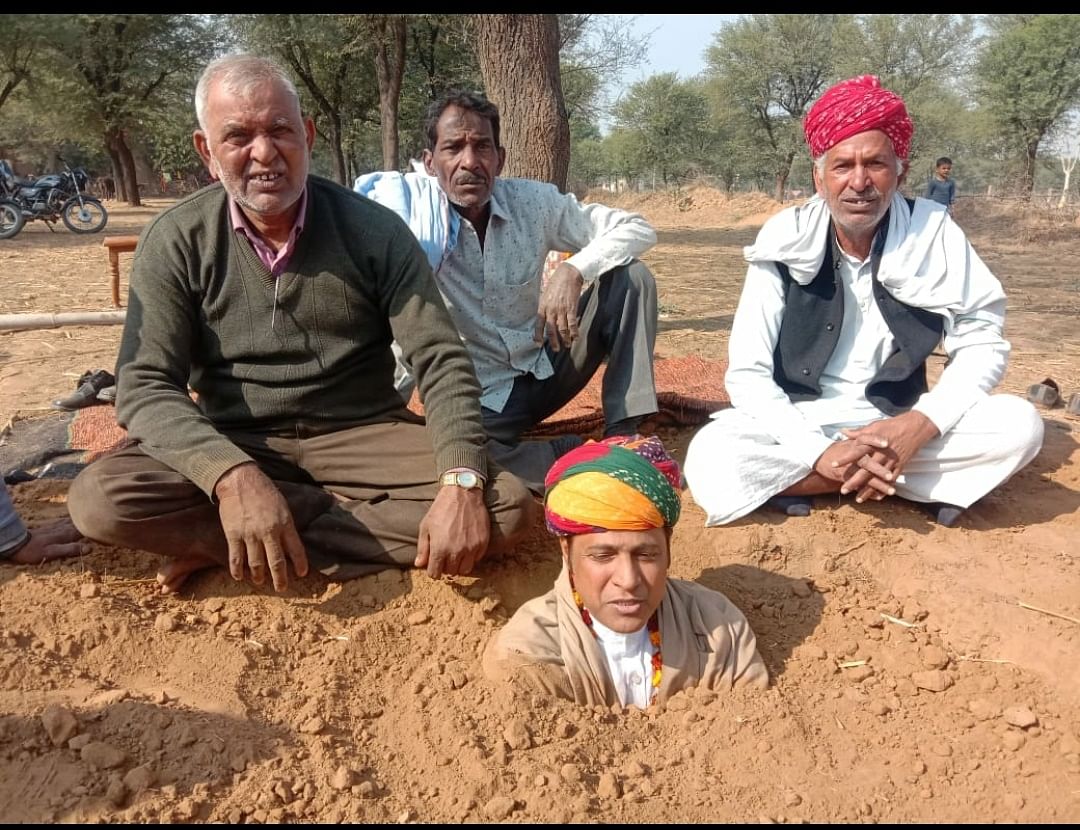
(871,457)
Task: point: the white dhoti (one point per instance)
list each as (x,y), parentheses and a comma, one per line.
(733,466)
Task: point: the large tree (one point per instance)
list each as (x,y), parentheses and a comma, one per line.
(123,63)
(330,59)
(1028,76)
(519,60)
(909,52)
(668,120)
(389,38)
(775,65)
(20,50)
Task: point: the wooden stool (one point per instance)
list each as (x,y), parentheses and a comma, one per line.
(117,245)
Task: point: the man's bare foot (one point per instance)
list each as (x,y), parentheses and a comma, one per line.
(57,539)
(174,573)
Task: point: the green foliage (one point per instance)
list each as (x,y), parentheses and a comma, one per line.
(1028,77)
(24,39)
(440,56)
(92,73)
(774,66)
(667,120)
(997,99)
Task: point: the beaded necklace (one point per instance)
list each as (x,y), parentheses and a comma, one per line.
(654,638)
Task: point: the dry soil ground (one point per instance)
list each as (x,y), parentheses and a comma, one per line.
(909,684)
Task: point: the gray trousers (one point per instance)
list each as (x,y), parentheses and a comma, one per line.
(617,323)
(357,496)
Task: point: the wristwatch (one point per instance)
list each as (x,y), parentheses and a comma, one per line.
(463,478)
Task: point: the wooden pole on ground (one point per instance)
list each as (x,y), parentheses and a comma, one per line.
(30,322)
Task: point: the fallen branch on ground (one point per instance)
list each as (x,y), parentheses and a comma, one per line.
(899,621)
(964,658)
(1048,613)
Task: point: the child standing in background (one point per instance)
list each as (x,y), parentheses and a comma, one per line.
(941,188)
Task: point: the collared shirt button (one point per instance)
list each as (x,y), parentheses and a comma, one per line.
(829,327)
(806,371)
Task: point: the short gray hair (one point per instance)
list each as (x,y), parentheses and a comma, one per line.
(238,73)
(819,164)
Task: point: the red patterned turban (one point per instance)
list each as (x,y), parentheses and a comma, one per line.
(855,106)
(620,483)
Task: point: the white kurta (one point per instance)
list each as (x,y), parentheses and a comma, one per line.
(629,660)
(767,443)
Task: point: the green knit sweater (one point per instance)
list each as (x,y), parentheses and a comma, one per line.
(202,311)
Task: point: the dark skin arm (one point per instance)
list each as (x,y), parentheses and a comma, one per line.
(902,437)
(258,527)
(455,532)
(57,539)
(557,315)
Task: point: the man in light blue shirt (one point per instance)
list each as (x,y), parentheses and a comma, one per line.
(534,345)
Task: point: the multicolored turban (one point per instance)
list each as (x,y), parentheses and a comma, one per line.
(620,483)
(855,106)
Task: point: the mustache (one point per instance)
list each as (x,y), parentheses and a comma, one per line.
(469,178)
(870,193)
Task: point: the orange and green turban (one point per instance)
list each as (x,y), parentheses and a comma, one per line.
(620,483)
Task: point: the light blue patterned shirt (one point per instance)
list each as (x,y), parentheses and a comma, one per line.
(493,294)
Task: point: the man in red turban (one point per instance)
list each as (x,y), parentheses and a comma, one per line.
(846,298)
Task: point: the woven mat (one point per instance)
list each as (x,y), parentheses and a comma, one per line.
(688,390)
(59,444)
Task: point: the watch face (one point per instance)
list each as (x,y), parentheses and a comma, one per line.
(467,479)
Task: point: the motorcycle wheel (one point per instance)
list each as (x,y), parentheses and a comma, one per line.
(89,217)
(11,219)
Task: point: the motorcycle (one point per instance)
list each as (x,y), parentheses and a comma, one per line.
(11,218)
(49,198)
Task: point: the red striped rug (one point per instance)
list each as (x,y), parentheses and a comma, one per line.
(688,390)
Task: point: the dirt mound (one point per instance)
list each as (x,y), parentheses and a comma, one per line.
(1017,222)
(697,206)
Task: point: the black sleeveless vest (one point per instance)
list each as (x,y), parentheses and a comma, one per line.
(810,331)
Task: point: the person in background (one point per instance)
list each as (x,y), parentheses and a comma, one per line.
(940,188)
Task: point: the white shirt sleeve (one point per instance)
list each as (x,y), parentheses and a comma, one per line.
(977,358)
(755,332)
(602,237)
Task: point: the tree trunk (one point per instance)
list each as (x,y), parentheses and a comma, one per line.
(131,178)
(519,61)
(1067,166)
(782,177)
(390,41)
(112,144)
(341,173)
(781,184)
(127,182)
(1027,181)
(117,169)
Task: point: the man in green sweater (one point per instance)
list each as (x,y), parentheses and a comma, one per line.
(276,295)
